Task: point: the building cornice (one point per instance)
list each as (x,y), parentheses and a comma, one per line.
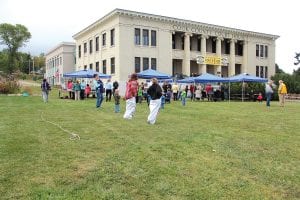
(176,21)
(59,46)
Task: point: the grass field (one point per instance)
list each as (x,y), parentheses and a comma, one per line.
(220,150)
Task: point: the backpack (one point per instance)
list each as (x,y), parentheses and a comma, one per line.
(100,86)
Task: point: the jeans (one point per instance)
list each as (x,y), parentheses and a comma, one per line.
(117,108)
(45,96)
(99,99)
(268,95)
(183,101)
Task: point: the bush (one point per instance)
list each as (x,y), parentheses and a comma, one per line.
(9,87)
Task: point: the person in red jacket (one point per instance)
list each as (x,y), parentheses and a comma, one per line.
(130,95)
(87,90)
(209,92)
(260,97)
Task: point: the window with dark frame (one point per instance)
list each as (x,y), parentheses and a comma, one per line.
(153,38)
(97,66)
(91,66)
(145,63)
(137,36)
(266,71)
(257,50)
(112,37)
(84,47)
(137,64)
(97,43)
(261,71)
(266,51)
(79,51)
(112,65)
(153,63)
(104,66)
(85,67)
(257,71)
(91,46)
(104,39)
(261,51)
(145,37)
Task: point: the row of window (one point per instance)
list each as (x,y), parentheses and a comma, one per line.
(145,37)
(54,62)
(104,68)
(91,47)
(145,62)
(261,51)
(262,71)
(195,45)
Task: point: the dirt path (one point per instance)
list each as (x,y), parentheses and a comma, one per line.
(28,83)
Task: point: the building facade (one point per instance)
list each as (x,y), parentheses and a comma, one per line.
(123,42)
(60,60)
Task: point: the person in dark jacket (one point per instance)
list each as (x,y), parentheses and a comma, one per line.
(155,93)
(45,90)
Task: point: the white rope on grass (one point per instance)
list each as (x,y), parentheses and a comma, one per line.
(73,136)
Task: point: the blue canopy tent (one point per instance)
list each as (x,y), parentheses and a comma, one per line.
(85,74)
(204,78)
(187,80)
(244,77)
(150,73)
(209,78)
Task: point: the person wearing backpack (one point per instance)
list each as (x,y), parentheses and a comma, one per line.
(99,90)
(45,90)
(130,96)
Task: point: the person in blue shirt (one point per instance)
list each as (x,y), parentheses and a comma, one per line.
(99,90)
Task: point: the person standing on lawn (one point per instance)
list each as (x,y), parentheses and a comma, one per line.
(282,91)
(155,92)
(269,92)
(130,96)
(45,90)
(99,90)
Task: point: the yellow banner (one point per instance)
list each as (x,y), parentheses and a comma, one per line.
(212,60)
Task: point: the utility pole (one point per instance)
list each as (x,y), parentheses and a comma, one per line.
(33,65)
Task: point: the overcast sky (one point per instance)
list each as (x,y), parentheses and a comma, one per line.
(53,21)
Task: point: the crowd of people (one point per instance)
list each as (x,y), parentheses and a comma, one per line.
(155,95)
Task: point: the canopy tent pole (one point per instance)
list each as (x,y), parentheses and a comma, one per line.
(229,92)
(243,91)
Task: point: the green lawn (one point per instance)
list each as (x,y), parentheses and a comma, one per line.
(220,150)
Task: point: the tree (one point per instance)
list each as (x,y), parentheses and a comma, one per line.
(297,59)
(14,37)
(277,69)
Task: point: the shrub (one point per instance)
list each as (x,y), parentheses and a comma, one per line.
(9,87)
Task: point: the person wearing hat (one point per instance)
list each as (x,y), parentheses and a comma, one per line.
(282,91)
